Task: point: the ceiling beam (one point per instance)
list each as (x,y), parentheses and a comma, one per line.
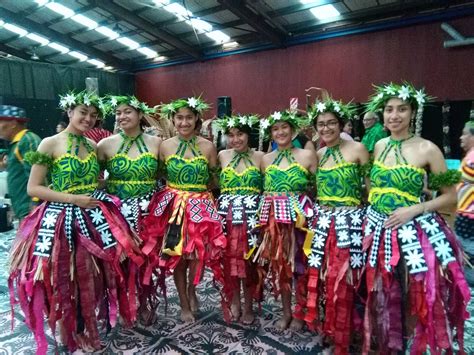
(32,26)
(299,7)
(256,21)
(377,13)
(122,13)
(15,52)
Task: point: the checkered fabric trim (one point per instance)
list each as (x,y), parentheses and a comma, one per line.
(407,239)
(211,209)
(264,211)
(243,209)
(348,226)
(195,210)
(437,238)
(136,208)
(165,200)
(73,214)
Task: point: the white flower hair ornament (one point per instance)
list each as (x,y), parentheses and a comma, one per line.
(404,91)
(72,99)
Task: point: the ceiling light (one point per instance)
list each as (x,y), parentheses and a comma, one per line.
(58,47)
(60,9)
(161,58)
(34,56)
(200,25)
(218,36)
(2,23)
(150,53)
(41,40)
(179,10)
(41,2)
(15,29)
(230,44)
(324,12)
(78,55)
(128,42)
(97,63)
(107,32)
(109,68)
(83,20)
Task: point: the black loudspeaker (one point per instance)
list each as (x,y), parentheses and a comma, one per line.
(224,106)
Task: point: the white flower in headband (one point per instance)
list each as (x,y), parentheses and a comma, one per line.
(243,120)
(68,100)
(135,103)
(231,123)
(321,107)
(337,108)
(276,115)
(404,92)
(192,102)
(264,124)
(113,101)
(420,97)
(390,90)
(87,100)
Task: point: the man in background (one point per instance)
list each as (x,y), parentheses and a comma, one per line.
(374,131)
(21,140)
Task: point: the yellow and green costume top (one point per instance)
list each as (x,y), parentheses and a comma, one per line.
(132,177)
(395,186)
(74,175)
(340,184)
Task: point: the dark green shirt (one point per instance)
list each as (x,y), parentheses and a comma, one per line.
(19,170)
(373,135)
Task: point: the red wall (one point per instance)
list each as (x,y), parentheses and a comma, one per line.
(347,66)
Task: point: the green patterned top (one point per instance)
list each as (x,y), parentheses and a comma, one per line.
(132,177)
(395,186)
(72,174)
(249,181)
(293,178)
(338,185)
(187,174)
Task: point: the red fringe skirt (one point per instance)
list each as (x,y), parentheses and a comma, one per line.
(415,286)
(67,264)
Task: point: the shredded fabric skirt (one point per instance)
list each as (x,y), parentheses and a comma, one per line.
(335,262)
(239,214)
(135,210)
(75,266)
(190,227)
(415,286)
(280,256)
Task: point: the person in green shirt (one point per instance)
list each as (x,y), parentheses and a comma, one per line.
(13,129)
(374,131)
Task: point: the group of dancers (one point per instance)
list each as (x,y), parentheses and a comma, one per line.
(384,272)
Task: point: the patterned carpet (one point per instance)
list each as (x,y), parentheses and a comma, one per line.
(209,335)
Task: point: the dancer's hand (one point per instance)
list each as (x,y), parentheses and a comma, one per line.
(84,201)
(402,215)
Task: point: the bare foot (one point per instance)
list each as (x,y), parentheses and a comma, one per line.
(187,316)
(283,323)
(235,311)
(247,317)
(296,325)
(193,301)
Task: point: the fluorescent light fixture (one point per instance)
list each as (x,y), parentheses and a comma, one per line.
(130,43)
(230,44)
(107,32)
(200,25)
(218,36)
(41,2)
(150,53)
(97,63)
(179,10)
(58,47)
(2,23)
(60,9)
(34,37)
(78,55)
(161,58)
(161,2)
(15,29)
(324,12)
(109,68)
(86,21)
